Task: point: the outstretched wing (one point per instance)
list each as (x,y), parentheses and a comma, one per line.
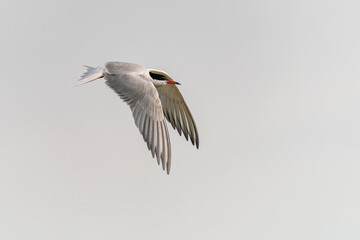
(143,99)
(177,112)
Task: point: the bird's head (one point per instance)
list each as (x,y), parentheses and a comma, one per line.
(160,78)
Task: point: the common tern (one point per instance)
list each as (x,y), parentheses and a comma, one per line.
(152,96)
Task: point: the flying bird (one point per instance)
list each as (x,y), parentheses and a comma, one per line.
(152,96)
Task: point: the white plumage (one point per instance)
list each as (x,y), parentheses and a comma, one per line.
(152,96)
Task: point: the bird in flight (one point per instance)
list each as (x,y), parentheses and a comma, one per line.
(152,96)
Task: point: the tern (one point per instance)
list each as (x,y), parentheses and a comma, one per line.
(152,96)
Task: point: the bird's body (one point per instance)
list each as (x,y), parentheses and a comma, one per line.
(152,96)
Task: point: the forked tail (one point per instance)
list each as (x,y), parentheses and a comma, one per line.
(91,74)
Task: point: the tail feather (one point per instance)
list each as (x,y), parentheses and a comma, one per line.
(91,74)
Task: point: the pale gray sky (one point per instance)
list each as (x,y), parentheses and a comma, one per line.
(273,86)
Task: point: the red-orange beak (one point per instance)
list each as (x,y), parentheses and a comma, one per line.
(172,82)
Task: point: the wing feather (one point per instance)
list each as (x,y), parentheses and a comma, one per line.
(177,112)
(143,99)
(171,113)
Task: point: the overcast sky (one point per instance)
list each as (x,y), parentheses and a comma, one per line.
(274,89)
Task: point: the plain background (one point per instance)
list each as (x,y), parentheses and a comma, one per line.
(273,87)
